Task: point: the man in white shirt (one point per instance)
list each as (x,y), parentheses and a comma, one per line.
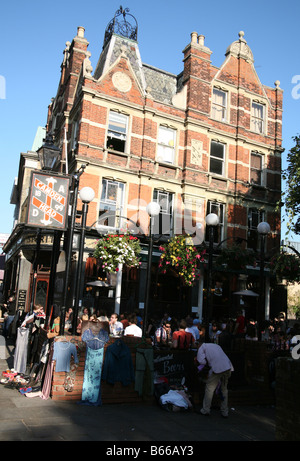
(220,371)
(115,327)
(192,328)
(133,329)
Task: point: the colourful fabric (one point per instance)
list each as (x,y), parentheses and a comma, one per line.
(63,351)
(91,388)
(95,340)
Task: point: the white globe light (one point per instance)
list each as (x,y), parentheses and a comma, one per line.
(212,219)
(86,194)
(153,209)
(263,228)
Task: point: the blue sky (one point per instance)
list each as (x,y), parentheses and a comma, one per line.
(33,37)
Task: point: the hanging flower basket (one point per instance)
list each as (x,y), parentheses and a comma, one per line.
(182,258)
(286,266)
(115,249)
(236,258)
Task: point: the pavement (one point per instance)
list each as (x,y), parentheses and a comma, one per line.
(143,426)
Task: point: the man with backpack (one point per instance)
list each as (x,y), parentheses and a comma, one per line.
(182,339)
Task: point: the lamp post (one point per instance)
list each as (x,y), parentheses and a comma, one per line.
(69,238)
(50,156)
(263,229)
(153,209)
(212,220)
(86,194)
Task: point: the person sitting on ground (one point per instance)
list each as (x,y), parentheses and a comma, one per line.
(182,339)
(133,329)
(115,327)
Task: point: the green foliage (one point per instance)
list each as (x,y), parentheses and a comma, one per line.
(236,258)
(114,249)
(286,266)
(182,258)
(296,311)
(291,198)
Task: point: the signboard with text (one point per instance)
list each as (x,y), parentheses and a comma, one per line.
(48,201)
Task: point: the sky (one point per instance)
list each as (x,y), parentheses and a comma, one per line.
(33,37)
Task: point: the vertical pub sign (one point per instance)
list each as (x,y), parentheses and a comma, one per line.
(48,201)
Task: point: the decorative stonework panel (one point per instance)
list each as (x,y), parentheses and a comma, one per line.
(196,152)
(121,81)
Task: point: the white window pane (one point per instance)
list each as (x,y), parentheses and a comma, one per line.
(219,97)
(219,104)
(166,144)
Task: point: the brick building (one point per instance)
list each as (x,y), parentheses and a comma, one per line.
(206,140)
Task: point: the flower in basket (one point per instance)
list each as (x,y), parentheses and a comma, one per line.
(115,249)
(182,258)
(286,266)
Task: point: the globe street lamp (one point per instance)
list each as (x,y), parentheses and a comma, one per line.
(86,195)
(153,209)
(263,229)
(212,220)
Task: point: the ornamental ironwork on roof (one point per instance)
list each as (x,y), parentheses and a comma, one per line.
(123,24)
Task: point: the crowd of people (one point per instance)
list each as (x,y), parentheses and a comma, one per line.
(210,342)
(167,331)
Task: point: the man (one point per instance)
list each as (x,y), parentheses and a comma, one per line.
(10,314)
(182,339)
(240,325)
(133,329)
(163,334)
(220,372)
(115,327)
(193,328)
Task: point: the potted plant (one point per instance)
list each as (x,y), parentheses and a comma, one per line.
(178,255)
(115,249)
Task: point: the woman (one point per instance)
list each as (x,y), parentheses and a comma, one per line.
(54,330)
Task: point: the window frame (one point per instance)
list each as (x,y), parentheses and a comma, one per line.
(252,229)
(216,158)
(218,208)
(163,147)
(114,136)
(216,107)
(256,171)
(255,120)
(75,131)
(159,225)
(115,221)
